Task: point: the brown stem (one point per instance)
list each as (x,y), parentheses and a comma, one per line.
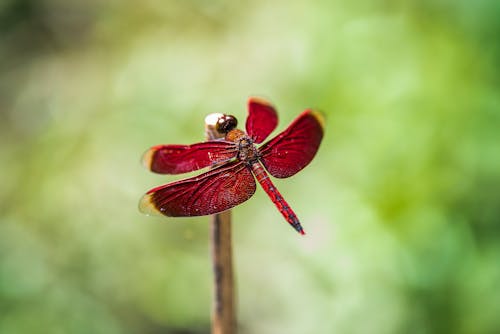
(223,312)
(223,305)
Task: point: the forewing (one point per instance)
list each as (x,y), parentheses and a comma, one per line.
(217,190)
(295,147)
(262,119)
(177,159)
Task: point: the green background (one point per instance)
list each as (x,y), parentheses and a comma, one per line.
(401,203)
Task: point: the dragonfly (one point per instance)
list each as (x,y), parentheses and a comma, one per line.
(235,161)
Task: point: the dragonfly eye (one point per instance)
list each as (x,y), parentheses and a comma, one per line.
(226,123)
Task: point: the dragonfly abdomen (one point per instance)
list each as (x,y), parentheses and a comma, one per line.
(278,200)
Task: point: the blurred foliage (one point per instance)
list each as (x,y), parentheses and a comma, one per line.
(401,205)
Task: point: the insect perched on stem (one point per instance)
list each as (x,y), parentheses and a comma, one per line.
(235,160)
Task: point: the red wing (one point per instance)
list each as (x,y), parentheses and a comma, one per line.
(177,159)
(294,148)
(262,119)
(217,190)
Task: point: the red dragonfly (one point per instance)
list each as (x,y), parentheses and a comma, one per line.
(233,160)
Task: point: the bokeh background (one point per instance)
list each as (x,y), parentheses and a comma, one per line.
(401,204)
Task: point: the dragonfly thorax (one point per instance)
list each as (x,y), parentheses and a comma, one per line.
(247,151)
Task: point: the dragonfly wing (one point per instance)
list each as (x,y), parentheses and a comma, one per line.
(295,147)
(262,119)
(177,159)
(217,190)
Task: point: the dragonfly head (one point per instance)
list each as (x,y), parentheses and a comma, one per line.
(226,123)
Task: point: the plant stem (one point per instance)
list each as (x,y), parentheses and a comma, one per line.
(223,312)
(223,305)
